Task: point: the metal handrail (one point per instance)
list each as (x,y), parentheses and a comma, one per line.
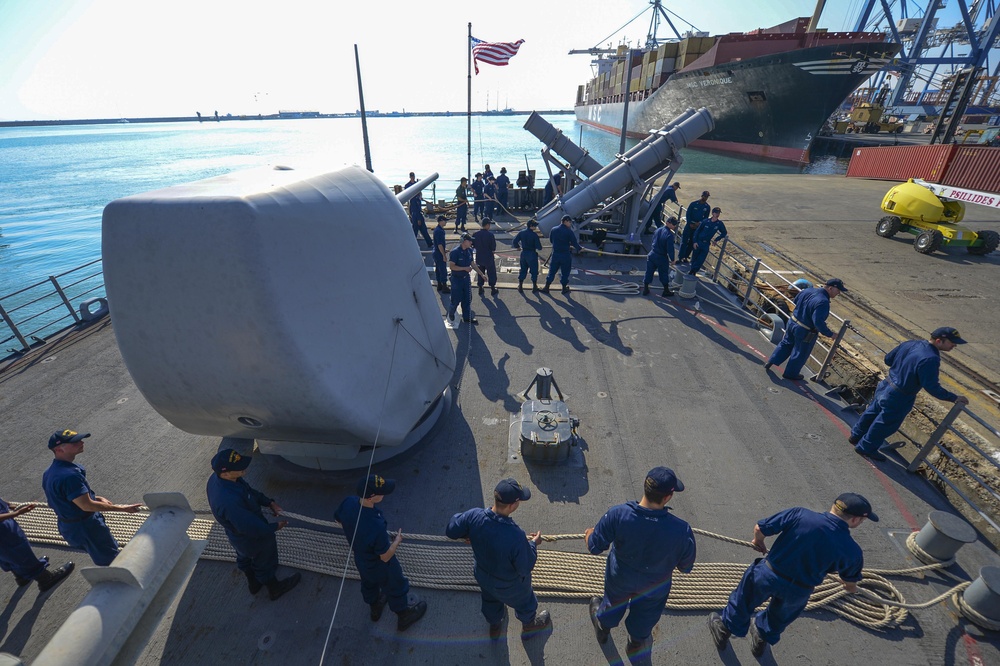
(24,306)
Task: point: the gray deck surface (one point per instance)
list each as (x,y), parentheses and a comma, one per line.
(653,384)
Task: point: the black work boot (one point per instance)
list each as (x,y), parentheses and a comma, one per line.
(445,289)
(520,286)
(534,287)
(539,623)
(378,607)
(410,615)
(496,630)
(720,633)
(253,584)
(276,587)
(49,579)
(545,289)
(667,291)
(645,289)
(21,582)
(566,289)
(634,646)
(494,291)
(602,633)
(757,644)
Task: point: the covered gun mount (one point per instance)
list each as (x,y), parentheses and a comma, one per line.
(619,198)
(284,306)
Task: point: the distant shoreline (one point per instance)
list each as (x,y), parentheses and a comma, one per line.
(281,115)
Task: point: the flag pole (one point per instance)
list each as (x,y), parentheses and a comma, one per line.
(468,116)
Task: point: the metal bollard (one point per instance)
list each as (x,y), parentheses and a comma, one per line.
(983,596)
(943,535)
(676,279)
(690,287)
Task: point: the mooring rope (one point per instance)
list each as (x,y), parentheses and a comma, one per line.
(437,562)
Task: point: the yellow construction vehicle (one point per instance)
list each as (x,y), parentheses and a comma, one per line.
(932,212)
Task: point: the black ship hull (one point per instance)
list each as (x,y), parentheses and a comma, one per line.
(770,107)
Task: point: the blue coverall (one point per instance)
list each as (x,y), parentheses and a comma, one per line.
(504,560)
(528,242)
(703,239)
(417,219)
(812,307)
(562,239)
(646,546)
(479,204)
(461,283)
(485,245)
(63,482)
(503,185)
(462,211)
(660,256)
(16,554)
(551,188)
(440,267)
(696,212)
(237,507)
(370,541)
(490,205)
(655,219)
(810,546)
(913,365)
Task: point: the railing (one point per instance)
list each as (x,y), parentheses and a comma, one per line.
(934,442)
(46,307)
(750,279)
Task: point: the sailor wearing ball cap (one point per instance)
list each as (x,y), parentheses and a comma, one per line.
(237,507)
(812,307)
(382,578)
(78,508)
(809,546)
(505,557)
(647,543)
(913,365)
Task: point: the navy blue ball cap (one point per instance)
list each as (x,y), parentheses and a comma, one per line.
(946,333)
(663,480)
(566,218)
(373,485)
(229,460)
(838,283)
(66,437)
(509,491)
(705,194)
(854,504)
(467,237)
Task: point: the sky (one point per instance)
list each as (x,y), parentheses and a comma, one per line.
(75,59)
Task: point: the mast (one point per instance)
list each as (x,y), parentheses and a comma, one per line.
(364,121)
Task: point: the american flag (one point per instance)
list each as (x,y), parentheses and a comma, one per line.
(493,53)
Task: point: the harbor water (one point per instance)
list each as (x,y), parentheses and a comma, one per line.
(56,180)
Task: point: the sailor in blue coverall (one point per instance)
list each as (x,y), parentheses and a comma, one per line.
(237,507)
(703,238)
(485,245)
(17,556)
(76,506)
(913,365)
(366,530)
(462,199)
(669,194)
(490,194)
(528,242)
(504,558)
(479,203)
(661,255)
(647,543)
(696,212)
(503,190)
(810,546)
(460,263)
(563,239)
(417,215)
(440,245)
(812,307)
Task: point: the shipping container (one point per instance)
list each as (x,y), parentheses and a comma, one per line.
(974,168)
(665,66)
(668,50)
(900,163)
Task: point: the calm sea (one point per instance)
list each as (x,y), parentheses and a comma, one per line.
(55,181)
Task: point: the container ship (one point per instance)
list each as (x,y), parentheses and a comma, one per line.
(769,90)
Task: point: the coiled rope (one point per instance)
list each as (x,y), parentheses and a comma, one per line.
(437,562)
